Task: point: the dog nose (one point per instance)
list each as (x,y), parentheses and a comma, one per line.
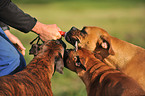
(74,28)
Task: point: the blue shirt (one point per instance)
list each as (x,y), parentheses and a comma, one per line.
(11,60)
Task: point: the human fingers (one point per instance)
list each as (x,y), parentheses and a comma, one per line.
(21,47)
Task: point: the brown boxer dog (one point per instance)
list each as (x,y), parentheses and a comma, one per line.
(34,80)
(99,78)
(119,54)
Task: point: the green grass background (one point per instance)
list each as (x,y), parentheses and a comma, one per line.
(124,19)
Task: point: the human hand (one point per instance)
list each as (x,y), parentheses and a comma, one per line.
(47,32)
(16,42)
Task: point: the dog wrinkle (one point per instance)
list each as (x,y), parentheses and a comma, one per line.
(100,79)
(127,56)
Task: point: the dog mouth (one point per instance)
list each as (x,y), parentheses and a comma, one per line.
(72,36)
(67,51)
(72,40)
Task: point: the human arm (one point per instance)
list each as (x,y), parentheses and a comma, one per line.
(15,17)
(47,32)
(11,15)
(16,42)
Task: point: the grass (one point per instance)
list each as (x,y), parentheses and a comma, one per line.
(124,19)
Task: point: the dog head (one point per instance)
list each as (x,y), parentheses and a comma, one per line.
(93,39)
(77,61)
(53,52)
(34,49)
(74,60)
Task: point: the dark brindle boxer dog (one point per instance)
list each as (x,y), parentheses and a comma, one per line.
(99,78)
(34,80)
(121,55)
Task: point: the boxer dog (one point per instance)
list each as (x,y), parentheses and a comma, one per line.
(121,55)
(99,78)
(34,80)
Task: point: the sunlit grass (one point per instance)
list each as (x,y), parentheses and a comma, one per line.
(122,19)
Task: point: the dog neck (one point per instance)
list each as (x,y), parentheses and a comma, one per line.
(44,62)
(122,54)
(94,74)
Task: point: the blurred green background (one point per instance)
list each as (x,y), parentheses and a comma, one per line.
(124,19)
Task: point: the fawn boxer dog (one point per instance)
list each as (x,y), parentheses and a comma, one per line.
(34,80)
(99,78)
(119,54)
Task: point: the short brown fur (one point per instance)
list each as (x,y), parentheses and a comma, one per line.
(119,54)
(34,80)
(99,78)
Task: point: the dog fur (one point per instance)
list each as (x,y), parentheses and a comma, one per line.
(119,54)
(99,78)
(34,80)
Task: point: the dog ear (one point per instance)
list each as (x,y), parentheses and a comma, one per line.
(78,63)
(35,49)
(106,44)
(59,64)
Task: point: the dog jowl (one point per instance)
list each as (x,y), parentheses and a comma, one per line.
(118,54)
(91,38)
(99,78)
